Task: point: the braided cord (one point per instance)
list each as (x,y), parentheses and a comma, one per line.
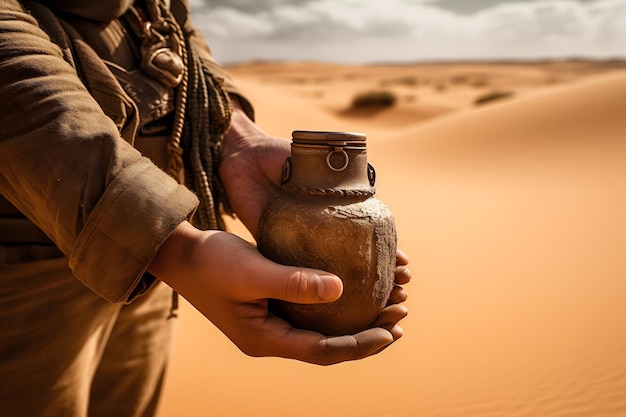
(202,116)
(207,119)
(175,164)
(329,192)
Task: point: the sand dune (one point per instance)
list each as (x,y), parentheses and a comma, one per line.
(423,92)
(513,215)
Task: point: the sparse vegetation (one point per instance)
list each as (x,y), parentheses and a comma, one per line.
(374,100)
(480,83)
(409,81)
(492,96)
(459,79)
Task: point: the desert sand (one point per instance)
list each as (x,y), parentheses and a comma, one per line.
(514,215)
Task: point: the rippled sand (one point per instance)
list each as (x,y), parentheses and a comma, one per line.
(514,216)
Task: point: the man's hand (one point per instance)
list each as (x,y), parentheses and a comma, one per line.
(250,168)
(230,282)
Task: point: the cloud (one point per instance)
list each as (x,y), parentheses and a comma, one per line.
(358,31)
(555,27)
(472,6)
(247,6)
(315,18)
(253,6)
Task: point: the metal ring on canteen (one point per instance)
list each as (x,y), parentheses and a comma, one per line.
(285,172)
(345,155)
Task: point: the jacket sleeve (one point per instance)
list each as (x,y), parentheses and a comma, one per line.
(65,166)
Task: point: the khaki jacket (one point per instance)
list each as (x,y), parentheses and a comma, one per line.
(67,162)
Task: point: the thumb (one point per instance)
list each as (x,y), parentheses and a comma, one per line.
(302,285)
(312,286)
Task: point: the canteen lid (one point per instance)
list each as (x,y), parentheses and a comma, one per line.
(310,137)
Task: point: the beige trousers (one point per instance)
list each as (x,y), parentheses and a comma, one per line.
(64,351)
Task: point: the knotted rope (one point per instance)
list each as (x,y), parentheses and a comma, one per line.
(203,112)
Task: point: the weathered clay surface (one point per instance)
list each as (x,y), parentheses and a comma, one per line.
(352,238)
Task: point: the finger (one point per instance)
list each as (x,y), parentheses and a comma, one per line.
(347,348)
(397,296)
(397,333)
(254,277)
(280,339)
(401,257)
(297,285)
(402,275)
(390,316)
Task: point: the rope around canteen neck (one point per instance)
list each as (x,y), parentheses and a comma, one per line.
(202,115)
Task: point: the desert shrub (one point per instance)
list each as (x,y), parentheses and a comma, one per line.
(459,79)
(492,96)
(479,83)
(409,81)
(374,99)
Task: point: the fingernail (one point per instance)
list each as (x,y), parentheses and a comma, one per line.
(330,287)
(397,332)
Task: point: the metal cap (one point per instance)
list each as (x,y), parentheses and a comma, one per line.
(311,137)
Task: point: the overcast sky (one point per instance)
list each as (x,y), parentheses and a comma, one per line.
(357,31)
